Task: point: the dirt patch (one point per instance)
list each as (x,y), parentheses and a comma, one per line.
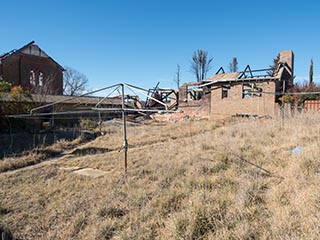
(70,168)
(90,172)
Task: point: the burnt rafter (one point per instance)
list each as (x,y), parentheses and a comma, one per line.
(168,96)
(220,70)
(245,72)
(151,92)
(254,74)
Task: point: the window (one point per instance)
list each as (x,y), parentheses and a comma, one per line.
(225,91)
(195,94)
(32,78)
(251,90)
(36,78)
(40,79)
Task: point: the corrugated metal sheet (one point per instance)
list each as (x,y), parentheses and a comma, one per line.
(224,77)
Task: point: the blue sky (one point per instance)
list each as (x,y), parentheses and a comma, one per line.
(141,42)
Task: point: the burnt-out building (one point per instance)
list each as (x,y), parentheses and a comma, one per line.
(247,93)
(32,69)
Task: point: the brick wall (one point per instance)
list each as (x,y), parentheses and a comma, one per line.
(16,70)
(287,57)
(196,108)
(236,104)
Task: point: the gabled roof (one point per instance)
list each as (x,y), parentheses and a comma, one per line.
(32,49)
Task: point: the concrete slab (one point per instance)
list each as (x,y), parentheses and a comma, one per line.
(90,172)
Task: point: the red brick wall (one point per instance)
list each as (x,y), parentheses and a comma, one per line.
(10,70)
(16,69)
(236,104)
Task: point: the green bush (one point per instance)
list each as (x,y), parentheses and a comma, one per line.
(4,86)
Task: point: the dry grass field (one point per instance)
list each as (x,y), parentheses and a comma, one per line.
(185,180)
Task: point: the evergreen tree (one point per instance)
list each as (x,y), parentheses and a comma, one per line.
(274,66)
(311,72)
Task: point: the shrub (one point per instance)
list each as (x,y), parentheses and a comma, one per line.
(4,86)
(88,124)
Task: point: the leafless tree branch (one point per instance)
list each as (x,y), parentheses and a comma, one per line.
(74,82)
(200,64)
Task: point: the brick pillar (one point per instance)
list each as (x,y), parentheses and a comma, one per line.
(287,57)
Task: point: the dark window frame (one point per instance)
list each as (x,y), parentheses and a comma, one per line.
(225,91)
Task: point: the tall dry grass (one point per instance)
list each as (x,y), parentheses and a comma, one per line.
(186,180)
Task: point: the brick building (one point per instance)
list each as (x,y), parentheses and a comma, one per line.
(250,92)
(32,69)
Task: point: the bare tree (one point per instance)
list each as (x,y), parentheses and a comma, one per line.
(200,64)
(74,82)
(42,85)
(233,66)
(177,79)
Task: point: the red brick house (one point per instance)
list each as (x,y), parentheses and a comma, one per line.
(32,69)
(246,93)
